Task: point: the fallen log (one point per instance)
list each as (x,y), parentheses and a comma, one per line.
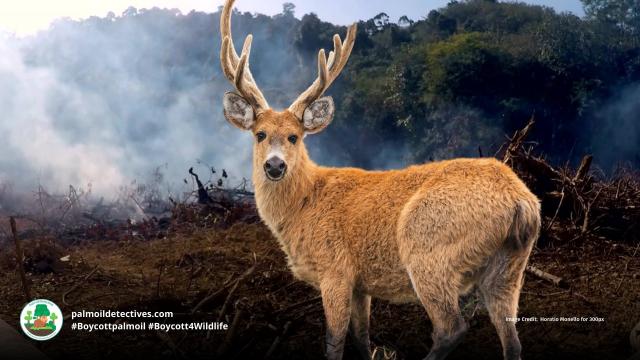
(555,280)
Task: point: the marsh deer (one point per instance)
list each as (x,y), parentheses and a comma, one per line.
(427,233)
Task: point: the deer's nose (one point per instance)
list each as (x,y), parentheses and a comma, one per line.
(275,168)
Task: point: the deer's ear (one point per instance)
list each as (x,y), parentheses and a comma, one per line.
(238,111)
(318,115)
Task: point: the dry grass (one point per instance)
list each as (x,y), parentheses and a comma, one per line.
(175,273)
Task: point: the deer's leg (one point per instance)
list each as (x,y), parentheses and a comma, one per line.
(500,289)
(336,300)
(360,313)
(438,292)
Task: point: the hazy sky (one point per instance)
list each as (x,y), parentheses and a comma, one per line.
(25,17)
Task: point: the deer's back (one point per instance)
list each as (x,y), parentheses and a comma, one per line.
(351,219)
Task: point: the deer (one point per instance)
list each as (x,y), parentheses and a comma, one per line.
(428,233)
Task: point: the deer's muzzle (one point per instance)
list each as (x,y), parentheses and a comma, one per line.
(275,168)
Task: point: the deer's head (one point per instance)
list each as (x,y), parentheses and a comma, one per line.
(278,134)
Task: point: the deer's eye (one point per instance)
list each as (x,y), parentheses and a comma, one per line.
(293,138)
(261,135)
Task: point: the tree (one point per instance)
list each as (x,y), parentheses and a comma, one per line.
(130,11)
(441,22)
(313,33)
(28,317)
(622,13)
(41,310)
(52,322)
(404,21)
(381,20)
(288,9)
(465,68)
(473,64)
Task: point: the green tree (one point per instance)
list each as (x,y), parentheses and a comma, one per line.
(28,317)
(466,68)
(314,34)
(622,13)
(42,310)
(52,321)
(441,23)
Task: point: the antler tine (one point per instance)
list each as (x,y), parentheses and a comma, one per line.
(227,67)
(234,68)
(337,46)
(346,48)
(323,76)
(336,62)
(225,30)
(330,59)
(242,64)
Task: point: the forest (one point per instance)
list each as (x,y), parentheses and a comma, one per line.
(449,83)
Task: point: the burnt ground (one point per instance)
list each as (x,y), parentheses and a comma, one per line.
(274,311)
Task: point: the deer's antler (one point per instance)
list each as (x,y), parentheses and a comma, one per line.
(235,68)
(328,71)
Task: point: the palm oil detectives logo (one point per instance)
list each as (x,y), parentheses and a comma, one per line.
(41,319)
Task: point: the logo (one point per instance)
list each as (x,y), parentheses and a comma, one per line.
(41,319)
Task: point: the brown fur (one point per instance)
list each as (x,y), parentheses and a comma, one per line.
(425,233)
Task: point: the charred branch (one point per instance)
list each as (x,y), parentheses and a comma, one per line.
(20,259)
(576,203)
(203,195)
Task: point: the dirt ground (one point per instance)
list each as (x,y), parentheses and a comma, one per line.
(273,315)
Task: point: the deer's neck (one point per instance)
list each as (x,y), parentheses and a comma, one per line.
(279,201)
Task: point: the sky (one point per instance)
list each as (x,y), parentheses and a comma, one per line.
(26,17)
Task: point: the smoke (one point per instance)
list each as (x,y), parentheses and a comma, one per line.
(102,102)
(35,145)
(616,129)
